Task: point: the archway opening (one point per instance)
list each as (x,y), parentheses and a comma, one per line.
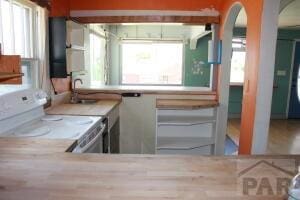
(285,111)
(233,72)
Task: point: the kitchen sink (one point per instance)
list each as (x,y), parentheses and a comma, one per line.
(85,102)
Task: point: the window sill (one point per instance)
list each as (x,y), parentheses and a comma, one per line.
(172,90)
(236,84)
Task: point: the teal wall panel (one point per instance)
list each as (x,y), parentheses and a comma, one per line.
(283,62)
(284,53)
(235,100)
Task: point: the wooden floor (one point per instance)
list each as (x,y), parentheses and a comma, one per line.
(284,135)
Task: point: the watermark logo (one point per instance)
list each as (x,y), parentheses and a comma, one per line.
(267,177)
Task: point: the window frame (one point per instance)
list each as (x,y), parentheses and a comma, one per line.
(147,41)
(99,32)
(35,71)
(33,44)
(101,36)
(32,28)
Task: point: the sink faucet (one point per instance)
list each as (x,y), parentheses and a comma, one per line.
(74,98)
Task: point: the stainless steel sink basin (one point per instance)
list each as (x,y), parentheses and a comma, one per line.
(86,102)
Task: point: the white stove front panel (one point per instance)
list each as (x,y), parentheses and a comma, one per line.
(16,103)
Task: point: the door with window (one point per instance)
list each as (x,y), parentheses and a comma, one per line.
(294,106)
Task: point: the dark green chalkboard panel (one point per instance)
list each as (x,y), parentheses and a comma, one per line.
(197,71)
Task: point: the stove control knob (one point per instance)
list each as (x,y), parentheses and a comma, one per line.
(41,95)
(1,105)
(4,106)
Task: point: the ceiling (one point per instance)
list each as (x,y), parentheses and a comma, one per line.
(289,18)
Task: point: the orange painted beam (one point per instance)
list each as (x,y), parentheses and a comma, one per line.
(143,4)
(63,7)
(60,8)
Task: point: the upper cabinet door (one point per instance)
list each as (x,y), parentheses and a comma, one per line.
(57,47)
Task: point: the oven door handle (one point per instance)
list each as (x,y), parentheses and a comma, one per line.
(78,149)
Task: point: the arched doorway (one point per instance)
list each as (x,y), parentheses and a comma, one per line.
(225,70)
(259,71)
(236,87)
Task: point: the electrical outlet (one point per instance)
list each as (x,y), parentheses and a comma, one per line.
(281,73)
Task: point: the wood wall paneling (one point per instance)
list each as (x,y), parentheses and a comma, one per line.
(61,85)
(10,69)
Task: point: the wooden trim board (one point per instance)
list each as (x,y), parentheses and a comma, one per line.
(10,69)
(185,104)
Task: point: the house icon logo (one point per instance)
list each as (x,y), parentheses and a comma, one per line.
(266,177)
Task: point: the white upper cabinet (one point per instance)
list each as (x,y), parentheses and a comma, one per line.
(76,46)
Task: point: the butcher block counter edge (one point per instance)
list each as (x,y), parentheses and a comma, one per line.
(71,109)
(35,145)
(185,104)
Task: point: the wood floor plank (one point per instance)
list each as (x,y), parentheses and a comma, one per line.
(284,135)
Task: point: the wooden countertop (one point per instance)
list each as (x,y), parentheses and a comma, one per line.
(56,176)
(172,90)
(101,108)
(35,146)
(185,103)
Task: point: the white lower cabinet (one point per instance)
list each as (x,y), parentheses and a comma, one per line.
(189,132)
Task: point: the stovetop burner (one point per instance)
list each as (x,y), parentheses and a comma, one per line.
(52,118)
(35,130)
(82,121)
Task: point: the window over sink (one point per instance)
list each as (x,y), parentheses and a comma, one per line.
(238,61)
(152,63)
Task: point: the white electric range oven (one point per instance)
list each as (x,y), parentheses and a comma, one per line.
(22,115)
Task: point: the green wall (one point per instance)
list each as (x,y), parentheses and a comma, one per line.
(283,62)
(197,71)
